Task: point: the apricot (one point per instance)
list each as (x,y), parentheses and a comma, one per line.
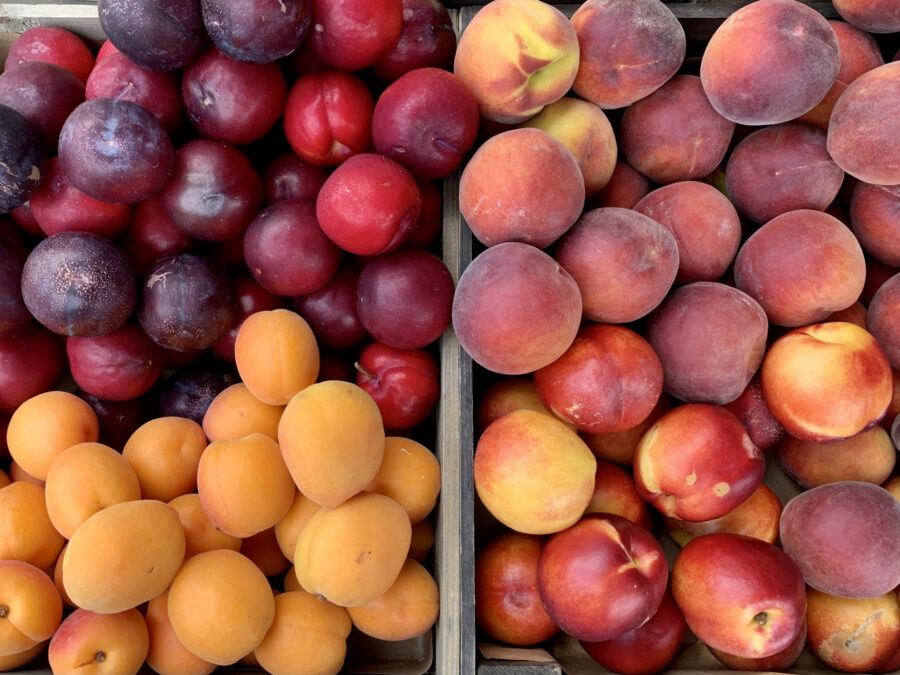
(58,579)
(332,439)
(4,479)
(124,555)
(422,540)
(276,355)
(220,606)
(410,474)
(406,611)
(307,630)
(288,529)
(352,554)
(235,413)
(200,532)
(164,453)
(28,533)
(244,485)
(45,425)
(166,654)
(30,607)
(99,643)
(84,479)
(17,473)
(262,548)
(19,659)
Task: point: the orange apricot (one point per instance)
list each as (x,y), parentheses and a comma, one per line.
(84,479)
(221,606)
(200,533)
(17,473)
(45,425)
(290,582)
(166,654)
(4,479)
(409,474)
(30,607)
(19,659)
(422,539)
(58,579)
(352,554)
(28,534)
(99,643)
(306,631)
(164,453)
(407,610)
(262,548)
(288,529)
(244,484)
(276,355)
(332,439)
(235,413)
(124,555)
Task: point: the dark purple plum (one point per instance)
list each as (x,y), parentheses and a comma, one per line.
(14,315)
(79,283)
(427,40)
(44,94)
(158,35)
(151,235)
(214,191)
(115,151)
(286,250)
(257,31)
(189,391)
(289,177)
(31,362)
(404,298)
(22,158)
(119,366)
(118,419)
(249,297)
(186,304)
(331,311)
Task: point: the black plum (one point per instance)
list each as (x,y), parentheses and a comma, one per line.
(257,31)
(22,159)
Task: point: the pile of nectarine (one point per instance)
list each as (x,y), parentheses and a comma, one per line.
(708,300)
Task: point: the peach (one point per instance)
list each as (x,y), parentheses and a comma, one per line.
(867,456)
(769,62)
(45,425)
(859,54)
(800,267)
(620,446)
(220,606)
(534,474)
(97,643)
(666,150)
(706,226)
(586,132)
(753,412)
(861,560)
(351,555)
(276,355)
(28,533)
(710,338)
(235,413)
(615,492)
(502,396)
(515,309)
(124,555)
(521,185)
(200,532)
(332,439)
(517,56)
(875,220)
(641,262)
(307,631)
(166,654)
(697,463)
(826,381)
(781,168)
(624,189)
(757,517)
(883,322)
(288,529)
(613,72)
(409,474)
(863,131)
(30,607)
(608,380)
(84,479)
(778,661)
(262,548)
(873,16)
(855,313)
(407,610)
(244,484)
(164,453)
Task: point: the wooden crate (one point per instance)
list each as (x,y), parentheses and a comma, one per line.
(449,648)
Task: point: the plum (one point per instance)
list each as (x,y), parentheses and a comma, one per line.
(257,31)
(331,311)
(13,312)
(22,158)
(189,391)
(52,44)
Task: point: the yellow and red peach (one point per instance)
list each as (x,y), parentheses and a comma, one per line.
(872,16)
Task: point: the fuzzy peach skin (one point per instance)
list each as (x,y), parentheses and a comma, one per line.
(827,381)
(517,56)
(533,473)
(873,16)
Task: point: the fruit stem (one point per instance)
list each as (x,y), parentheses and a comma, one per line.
(365,373)
(4,611)
(100,656)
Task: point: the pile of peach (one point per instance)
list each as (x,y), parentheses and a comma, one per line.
(262,536)
(683,282)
